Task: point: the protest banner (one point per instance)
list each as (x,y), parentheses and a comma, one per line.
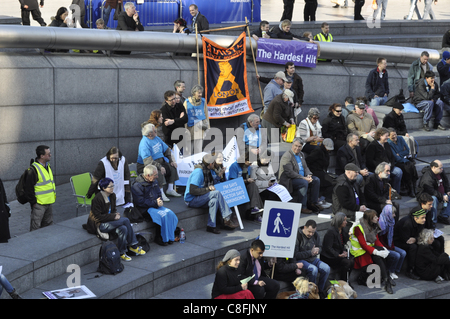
(226,90)
(280,51)
(279,228)
(234,193)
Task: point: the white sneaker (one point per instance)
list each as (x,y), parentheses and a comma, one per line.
(173,193)
(164,197)
(394,276)
(324,204)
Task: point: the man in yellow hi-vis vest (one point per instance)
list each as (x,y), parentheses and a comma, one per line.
(324,36)
(39,187)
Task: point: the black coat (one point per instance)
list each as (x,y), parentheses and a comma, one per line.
(423,92)
(227,281)
(344,199)
(126,23)
(376,85)
(245,268)
(333,246)
(405,229)
(100,212)
(4,215)
(375,154)
(395,121)
(374,193)
(201,22)
(334,127)
(174,113)
(428,183)
(345,156)
(32,4)
(430,263)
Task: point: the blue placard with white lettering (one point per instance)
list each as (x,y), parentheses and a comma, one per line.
(234,192)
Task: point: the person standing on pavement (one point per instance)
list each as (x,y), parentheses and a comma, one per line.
(5,213)
(39,189)
(32,6)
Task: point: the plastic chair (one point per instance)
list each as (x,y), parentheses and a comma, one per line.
(80,186)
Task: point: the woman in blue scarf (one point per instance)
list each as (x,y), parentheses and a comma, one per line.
(387,223)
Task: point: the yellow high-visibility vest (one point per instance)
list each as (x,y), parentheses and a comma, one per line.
(44,189)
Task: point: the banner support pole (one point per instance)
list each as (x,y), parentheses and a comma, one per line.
(198,57)
(254,62)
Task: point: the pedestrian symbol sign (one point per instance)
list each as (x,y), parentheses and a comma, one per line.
(280,222)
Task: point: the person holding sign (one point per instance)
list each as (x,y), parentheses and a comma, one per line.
(228,284)
(200,192)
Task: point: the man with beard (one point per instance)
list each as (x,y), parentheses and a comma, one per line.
(174,116)
(347,196)
(114,166)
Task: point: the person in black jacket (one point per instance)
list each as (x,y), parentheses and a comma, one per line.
(377,84)
(5,213)
(27,6)
(227,284)
(347,196)
(379,151)
(431,264)
(427,99)
(395,120)
(252,264)
(174,116)
(334,126)
(61,18)
(198,19)
(129,19)
(443,68)
(435,182)
(334,252)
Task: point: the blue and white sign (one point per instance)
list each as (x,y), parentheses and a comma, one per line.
(279,228)
(234,191)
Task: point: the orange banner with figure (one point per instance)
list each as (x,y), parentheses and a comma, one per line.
(226,90)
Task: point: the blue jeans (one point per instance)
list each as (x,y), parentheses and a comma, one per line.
(378,100)
(106,13)
(317,266)
(428,107)
(4,283)
(413,8)
(396,178)
(445,212)
(214,201)
(301,186)
(124,230)
(395,260)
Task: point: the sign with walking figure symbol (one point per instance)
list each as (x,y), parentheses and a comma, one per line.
(281,221)
(279,228)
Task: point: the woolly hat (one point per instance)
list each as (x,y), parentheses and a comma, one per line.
(419,212)
(445,55)
(232,253)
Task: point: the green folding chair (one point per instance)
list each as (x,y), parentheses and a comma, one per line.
(80,186)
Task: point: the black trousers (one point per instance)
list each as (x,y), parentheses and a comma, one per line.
(36,14)
(268,291)
(358,6)
(288,10)
(309,11)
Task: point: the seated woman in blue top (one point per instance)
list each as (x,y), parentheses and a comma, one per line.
(242,168)
(404,161)
(152,150)
(200,192)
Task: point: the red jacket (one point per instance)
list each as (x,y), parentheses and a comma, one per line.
(365,259)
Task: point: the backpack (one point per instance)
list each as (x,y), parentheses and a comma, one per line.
(109,259)
(20,192)
(142,242)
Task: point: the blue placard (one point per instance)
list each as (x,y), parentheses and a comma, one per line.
(234,192)
(280,222)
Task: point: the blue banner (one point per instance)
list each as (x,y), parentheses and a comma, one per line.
(234,192)
(282,51)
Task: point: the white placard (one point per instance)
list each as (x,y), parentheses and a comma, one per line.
(279,228)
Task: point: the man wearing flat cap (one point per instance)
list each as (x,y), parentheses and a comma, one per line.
(201,193)
(395,120)
(347,196)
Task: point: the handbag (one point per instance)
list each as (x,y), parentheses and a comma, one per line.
(289,134)
(374,5)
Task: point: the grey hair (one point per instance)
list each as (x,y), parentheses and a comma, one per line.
(150,170)
(127,5)
(338,219)
(196,88)
(298,139)
(424,236)
(147,129)
(313,111)
(380,167)
(350,136)
(252,117)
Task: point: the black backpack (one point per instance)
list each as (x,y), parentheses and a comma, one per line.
(109,259)
(20,192)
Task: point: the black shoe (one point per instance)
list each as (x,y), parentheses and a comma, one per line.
(412,275)
(213,230)
(388,287)
(425,127)
(443,220)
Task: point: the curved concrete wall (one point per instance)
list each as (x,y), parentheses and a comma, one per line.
(81,105)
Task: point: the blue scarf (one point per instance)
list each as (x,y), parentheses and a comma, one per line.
(387,223)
